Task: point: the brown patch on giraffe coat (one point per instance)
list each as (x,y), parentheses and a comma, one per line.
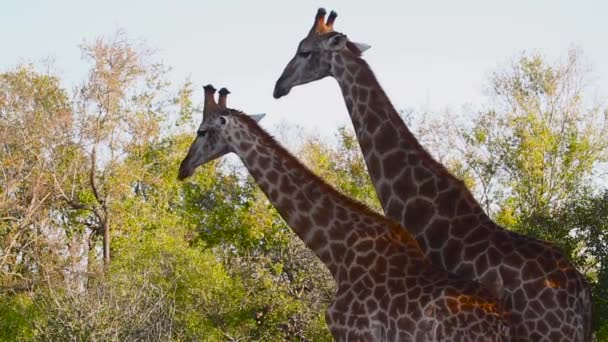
(252,156)
(421,173)
(405,187)
(397,306)
(452,254)
(394,208)
(365,141)
(471,251)
(366,260)
(371,120)
(447,201)
(264,162)
(462,225)
(256,173)
(355,272)
(363,94)
(303,221)
(245,146)
(393,164)
(338,232)
(361,108)
(479,233)
(318,240)
(511,276)
(349,257)
(481,264)
(381,266)
(385,137)
(364,246)
(437,233)
(286,187)
(274,195)
(452,304)
(371,304)
(278,166)
(272,175)
(375,171)
(463,207)
(338,251)
(312,191)
(341,213)
(531,267)
(323,214)
(412,159)
(417,214)
(349,78)
(365,77)
(494,255)
(338,58)
(303,203)
(513,259)
(428,189)
(338,71)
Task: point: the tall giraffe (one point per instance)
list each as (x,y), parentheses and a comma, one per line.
(548,298)
(387,289)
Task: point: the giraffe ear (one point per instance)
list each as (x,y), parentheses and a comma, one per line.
(362,47)
(257,117)
(336,42)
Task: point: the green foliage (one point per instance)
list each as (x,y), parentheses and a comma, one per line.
(541,139)
(16,312)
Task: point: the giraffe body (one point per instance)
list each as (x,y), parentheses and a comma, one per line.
(387,289)
(548,299)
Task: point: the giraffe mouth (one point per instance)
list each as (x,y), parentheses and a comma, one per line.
(280,91)
(185,171)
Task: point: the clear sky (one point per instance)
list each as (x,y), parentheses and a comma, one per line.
(427,54)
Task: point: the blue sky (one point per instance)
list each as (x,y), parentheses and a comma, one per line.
(428,55)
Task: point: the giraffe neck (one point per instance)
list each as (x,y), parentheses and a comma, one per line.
(399,166)
(329,223)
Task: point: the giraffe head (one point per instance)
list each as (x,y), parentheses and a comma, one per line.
(315,54)
(211,137)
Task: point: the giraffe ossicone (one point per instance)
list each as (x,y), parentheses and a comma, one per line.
(547,297)
(387,289)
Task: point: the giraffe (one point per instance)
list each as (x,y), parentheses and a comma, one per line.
(548,298)
(387,289)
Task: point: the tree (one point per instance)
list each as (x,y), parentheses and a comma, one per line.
(35,130)
(119,110)
(541,139)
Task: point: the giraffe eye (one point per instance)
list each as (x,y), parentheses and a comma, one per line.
(304,54)
(201,133)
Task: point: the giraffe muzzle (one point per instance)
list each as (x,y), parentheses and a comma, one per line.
(280,91)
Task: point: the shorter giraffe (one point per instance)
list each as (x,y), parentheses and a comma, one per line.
(387,289)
